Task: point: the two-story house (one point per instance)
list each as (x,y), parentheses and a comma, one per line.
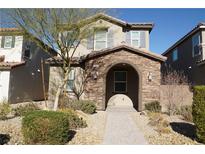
(187,55)
(120,63)
(20,67)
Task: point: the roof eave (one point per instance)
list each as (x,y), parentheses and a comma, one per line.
(196,29)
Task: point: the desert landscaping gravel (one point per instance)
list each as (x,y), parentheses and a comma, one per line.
(11,127)
(94,133)
(153,137)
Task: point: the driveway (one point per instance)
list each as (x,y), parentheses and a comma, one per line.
(120,127)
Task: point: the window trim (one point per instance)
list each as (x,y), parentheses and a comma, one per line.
(120,82)
(69,89)
(175,50)
(199,39)
(106,41)
(135,39)
(6,37)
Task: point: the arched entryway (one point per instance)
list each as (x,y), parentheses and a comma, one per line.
(124,79)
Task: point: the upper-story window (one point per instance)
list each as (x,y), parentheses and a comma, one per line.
(195,45)
(8,41)
(100,39)
(175,55)
(135,38)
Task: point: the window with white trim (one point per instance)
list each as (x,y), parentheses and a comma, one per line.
(195,45)
(8,42)
(135,38)
(120,81)
(100,39)
(71,79)
(175,55)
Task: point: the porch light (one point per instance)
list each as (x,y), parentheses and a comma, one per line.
(95,72)
(150,76)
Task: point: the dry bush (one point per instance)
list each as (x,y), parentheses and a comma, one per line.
(160,124)
(174,95)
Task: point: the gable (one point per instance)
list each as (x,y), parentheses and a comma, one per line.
(147,54)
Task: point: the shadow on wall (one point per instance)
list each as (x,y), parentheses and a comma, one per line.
(186,129)
(4,139)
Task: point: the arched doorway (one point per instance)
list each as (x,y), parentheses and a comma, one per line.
(123,78)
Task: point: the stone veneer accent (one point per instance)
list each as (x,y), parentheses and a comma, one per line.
(149,90)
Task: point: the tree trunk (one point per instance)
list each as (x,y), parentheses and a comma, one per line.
(65,80)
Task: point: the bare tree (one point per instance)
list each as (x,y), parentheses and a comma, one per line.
(174,80)
(59,29)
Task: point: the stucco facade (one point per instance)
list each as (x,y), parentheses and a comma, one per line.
(141,67)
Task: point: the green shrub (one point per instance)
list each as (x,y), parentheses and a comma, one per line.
(153,106)
(74,120)
(21,110)
(88,107)
(5,109)
(198,112)
(45,127)
(186,112)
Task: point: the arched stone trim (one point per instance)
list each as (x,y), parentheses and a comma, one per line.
(140,81)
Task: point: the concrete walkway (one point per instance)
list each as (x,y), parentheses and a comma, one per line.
(120,127)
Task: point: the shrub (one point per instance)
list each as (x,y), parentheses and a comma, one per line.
(74,120)
(199,112)
(45,127)
(186,112)
(24,109)
(72,104)
(153,106)
(160,124)
(5,109)
(88,107)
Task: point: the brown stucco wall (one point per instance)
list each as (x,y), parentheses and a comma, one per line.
(26,80)
(148,90)
(186,62)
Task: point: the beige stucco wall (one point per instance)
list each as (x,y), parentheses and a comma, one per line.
(13,54)
(118,38)
(56,78)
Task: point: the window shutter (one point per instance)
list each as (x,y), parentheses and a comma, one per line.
(142,39)
(2,41)
(90,42)
(110,38)
(128,38)
(13,42)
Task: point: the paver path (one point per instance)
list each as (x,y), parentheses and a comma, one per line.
(120,127)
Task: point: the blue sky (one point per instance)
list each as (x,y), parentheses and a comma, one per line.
(170,24)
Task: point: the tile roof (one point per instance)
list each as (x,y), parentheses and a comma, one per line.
(134,50)
(10,65)
(94,54)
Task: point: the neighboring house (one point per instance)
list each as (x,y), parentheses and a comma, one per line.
(119,62)
(20,67)
(187,55)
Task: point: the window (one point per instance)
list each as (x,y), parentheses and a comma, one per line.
(8,42)
(195,45)
(175,55)
(71,80)
(120,81)
(100,40)
(135,38)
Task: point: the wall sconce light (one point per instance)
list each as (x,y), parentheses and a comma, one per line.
(95,72)
(150,76)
